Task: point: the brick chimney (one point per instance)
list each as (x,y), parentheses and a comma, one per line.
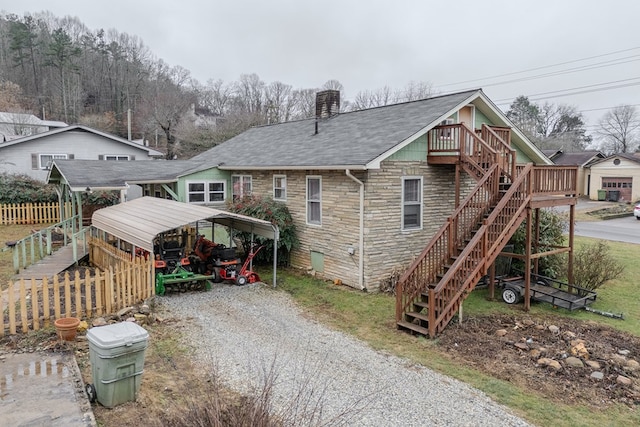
(327,103)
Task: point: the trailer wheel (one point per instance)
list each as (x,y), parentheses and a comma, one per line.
(91,392)
(241,280)
(510,295)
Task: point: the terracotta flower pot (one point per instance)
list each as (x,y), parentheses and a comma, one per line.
(67,328)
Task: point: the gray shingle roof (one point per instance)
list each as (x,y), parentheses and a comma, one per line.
(347,139)
(102,173)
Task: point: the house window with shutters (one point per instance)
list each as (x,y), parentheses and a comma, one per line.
(116,157)
(43,161)
(411,203)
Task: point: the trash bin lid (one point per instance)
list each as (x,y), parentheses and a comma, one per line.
(121,334)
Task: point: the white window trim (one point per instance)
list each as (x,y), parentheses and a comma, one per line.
(53,157)
(117,157)
(206,191)
(283,188)
(419,202)
(242,179)
(306,204)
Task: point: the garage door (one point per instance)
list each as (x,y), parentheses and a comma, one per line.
(621,184)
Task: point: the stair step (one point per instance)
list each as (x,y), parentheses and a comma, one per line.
(416,315)
(413,327)
(421,304)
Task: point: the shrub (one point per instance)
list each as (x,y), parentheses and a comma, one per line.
(594,265)
(275,212)
(553,226)
(24,189)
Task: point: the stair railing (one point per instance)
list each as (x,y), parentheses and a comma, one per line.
(472,263)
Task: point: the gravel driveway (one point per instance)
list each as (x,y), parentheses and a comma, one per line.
(321,376)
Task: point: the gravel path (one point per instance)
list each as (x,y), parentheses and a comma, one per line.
(254,335)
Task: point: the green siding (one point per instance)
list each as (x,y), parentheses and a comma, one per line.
(415,151)
(213,174)
(521,157)
(481,119)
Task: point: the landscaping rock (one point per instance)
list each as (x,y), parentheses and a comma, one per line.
(554,329)
(574,362)
(624,352)
(123,312)
(632,365)
(624,381)
(554,364)
(597,375)
(501,332)
(535,353)
(580,350)
(521,346)
(528,322)
(568,335)
(592,364)
(99,321)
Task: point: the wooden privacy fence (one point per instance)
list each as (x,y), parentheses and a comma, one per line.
(32,213)
(33,304)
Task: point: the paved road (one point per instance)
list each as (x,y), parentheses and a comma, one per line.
(625,229)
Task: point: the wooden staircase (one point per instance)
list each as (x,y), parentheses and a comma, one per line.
(432,290)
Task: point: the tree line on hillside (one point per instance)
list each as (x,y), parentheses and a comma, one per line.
(58,69)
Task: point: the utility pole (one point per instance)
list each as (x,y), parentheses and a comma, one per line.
(129,123)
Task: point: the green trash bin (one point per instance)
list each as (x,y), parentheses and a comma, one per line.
(116,353)
(602,195)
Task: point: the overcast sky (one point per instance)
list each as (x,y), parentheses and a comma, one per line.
(368,44)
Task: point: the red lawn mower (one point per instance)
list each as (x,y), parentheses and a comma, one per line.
(217,260)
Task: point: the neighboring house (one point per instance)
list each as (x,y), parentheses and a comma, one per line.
(33,155)
(581,159)
(618,175)
(365,191)
(18,125)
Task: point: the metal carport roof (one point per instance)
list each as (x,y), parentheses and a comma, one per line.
(139,221)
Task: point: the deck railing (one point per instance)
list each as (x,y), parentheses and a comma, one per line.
(40,243)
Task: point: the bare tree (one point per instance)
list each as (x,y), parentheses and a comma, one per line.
(386,95)
(619,130)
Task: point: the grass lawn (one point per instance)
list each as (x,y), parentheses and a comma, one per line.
(10,233)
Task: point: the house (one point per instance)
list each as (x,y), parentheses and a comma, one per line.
(581,159)
(32,155)
(615,178)
(363,194)
(429,191)
(18,125)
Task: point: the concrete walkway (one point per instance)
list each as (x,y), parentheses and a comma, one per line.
(42,389)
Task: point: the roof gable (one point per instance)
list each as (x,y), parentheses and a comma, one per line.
(76,128)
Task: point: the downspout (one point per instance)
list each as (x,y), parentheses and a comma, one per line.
(361,232)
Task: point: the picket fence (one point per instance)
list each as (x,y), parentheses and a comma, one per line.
(33,304)
(32,213)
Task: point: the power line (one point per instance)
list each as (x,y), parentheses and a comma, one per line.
(539,68)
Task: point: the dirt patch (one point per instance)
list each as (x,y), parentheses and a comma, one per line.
(567,360)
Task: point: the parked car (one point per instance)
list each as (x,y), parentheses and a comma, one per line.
(636,211)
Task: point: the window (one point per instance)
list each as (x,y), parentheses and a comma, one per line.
(279,187)
(314,200)
(411,203)
(116,157)
(46,159)
(241,186)
(205,192)
(446,132)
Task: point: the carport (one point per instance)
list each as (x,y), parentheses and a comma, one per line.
(139,221)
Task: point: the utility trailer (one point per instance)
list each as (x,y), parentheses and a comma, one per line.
(546,289)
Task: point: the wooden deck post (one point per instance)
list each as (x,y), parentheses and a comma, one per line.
(527,263)
(572,212)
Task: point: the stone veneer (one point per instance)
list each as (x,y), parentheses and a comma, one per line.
(387,246)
